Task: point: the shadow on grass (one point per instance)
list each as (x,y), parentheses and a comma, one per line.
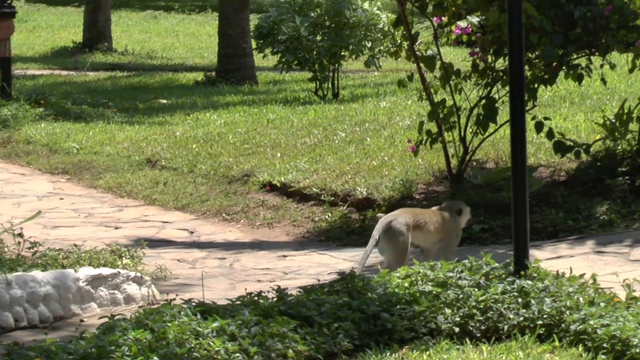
(184,6)
(66,62)
(133,98)
(591,199)
(73,58)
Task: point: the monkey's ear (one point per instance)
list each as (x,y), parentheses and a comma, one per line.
(459,212)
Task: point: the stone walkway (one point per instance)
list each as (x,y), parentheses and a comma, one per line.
(217,261)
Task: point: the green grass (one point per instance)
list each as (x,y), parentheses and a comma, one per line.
(213,151)
(183,6)
(47,37)
(526,348)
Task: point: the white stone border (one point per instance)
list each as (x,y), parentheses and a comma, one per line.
(39,298)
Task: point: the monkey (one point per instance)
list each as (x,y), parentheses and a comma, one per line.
(439,227)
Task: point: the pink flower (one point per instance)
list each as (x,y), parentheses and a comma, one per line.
(638,43)
(268,188)
(462,30)
(412,148)
(473,53)
(439,20)
(607,10)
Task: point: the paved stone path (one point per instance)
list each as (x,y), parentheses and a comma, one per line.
(218,260)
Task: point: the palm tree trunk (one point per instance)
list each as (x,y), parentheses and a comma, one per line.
(235,51)
(96,30)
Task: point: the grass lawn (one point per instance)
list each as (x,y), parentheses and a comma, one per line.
(223,152)
(518,349)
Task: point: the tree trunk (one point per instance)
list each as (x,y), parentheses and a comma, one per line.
(235,51)
(96,30)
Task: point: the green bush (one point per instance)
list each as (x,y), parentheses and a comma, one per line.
(319,36)
(475,300)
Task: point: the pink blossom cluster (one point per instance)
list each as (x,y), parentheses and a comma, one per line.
(440,20)
(462,30)
(412,148)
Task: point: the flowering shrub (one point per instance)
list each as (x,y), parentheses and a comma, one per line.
(574,38)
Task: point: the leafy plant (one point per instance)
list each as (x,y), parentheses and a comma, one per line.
(21,253)
(476,300)
(13,253)
(319,36)
(620,135)
(465,98)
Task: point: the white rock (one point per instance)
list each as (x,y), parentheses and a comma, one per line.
(36,298)
(19,317)
(6,320)
(17,297)
(5,300)
(32,315)
(44,315)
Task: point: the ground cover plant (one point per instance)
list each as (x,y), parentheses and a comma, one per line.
(521,348)
(21,253)
(475,301)
(262,155)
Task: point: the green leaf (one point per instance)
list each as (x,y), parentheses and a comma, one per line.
(421,126)
(561,148)
(432,115)
(577,154)
(550,134)
(397,22)
(429,60)
(490,110)
(529,10)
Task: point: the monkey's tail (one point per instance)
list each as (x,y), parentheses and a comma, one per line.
(367,252)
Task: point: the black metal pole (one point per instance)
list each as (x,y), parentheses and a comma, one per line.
(7,14)
(517,111)
(5,78)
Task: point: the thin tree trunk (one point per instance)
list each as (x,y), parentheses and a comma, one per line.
(235,51)
(96,30)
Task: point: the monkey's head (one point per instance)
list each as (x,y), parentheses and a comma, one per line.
(458,208)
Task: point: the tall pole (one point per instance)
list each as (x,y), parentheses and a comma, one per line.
(517,112)
(7,14)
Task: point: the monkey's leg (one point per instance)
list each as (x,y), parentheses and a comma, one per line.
(450,249)
(428,253)
(394,247)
